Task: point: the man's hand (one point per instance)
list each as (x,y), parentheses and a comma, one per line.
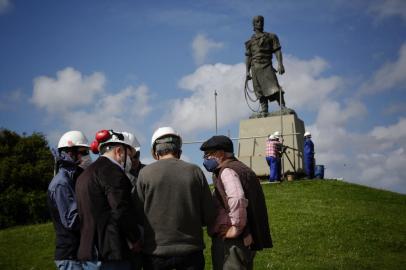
(222,230)
(281,69)
(232,232)
(135,247)
(248,240)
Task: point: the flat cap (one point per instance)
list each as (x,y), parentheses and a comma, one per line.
(219,142)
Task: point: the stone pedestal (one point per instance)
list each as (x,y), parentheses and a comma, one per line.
(253,136)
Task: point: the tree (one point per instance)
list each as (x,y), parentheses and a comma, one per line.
(26,167)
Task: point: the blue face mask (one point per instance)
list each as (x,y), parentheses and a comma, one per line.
(210,164)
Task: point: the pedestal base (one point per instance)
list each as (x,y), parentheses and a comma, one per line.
(254,134)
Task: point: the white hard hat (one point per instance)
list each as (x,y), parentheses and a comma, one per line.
(164,131)
(124,137)
(73,138)
(134,142)
(307,134)
(277,134)
(271,137)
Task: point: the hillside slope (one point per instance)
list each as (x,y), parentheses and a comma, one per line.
(315,225)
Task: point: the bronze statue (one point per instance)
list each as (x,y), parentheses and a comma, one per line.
(259,50)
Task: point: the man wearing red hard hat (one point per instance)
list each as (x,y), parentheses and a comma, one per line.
(109,229)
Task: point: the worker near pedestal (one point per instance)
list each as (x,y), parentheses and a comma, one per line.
(308,155)
(272,158)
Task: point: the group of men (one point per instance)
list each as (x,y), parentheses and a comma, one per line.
(273,154)
(116,213)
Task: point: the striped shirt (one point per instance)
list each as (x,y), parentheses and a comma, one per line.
(237,216)
(272,148)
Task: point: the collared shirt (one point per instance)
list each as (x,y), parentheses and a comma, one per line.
(115,162)
(272,148)
(236,202)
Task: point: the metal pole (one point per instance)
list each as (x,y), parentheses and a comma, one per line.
(215,108)
(280,111)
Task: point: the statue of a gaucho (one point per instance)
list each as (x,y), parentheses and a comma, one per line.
(259,51)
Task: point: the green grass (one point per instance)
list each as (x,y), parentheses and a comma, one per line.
(315,225)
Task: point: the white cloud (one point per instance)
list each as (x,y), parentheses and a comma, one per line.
(389,76)
(388,8)
(70,89)
(123,111)
(135,100)
(384,170)
(4,5)
(303,83)
(83,104)
(202,46)
(391,133)
(196,112)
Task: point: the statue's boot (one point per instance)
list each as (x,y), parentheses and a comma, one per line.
(264,106)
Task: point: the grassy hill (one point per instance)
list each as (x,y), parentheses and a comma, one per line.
(315,225)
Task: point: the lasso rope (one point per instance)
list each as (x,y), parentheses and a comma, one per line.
(247,92)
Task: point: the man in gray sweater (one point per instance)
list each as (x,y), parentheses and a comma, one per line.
(176,203)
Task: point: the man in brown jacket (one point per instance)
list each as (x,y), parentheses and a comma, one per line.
(241,226)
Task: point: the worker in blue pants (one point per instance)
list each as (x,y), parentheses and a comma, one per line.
(272,158)
(308,155)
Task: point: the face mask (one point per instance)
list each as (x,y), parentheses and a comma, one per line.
(131,177)
(127,164)
(210,164)
(85,162)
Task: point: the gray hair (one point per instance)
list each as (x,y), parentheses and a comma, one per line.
(168,145)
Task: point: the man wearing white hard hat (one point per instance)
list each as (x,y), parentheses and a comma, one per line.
(308,155)
(109,230)
(176,203)
(71,159)
(272,156)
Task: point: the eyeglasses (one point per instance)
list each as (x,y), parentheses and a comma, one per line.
(83,152)
(208,154)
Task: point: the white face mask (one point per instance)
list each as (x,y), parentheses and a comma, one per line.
(85,162)
(128,164)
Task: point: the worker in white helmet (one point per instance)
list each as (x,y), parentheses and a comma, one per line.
(272,156)
(308,155)
(108,216)
(280,150)
(176,202)
(71,159)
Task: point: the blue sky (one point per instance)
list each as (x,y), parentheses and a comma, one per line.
(138,65)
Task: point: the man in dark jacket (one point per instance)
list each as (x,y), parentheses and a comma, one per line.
(241,226)
(72,157)
(108,219)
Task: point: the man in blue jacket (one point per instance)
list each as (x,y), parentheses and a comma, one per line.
(71,159)
(308,155)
